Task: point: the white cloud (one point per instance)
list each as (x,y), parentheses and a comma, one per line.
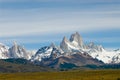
(21,23)
(103,40)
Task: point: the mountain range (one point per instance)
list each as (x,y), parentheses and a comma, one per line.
(70,52)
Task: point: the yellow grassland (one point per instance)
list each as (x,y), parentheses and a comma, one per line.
(64,75)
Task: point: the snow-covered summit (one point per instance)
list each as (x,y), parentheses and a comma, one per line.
(76,39)
(4,51)
(16,51)
(47,52)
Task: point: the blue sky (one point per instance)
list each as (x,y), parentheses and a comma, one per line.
(35,23)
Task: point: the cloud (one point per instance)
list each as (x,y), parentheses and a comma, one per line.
(58,20)
(27,22)
(56,26)
(104,40)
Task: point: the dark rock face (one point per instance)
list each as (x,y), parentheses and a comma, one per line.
(77,59)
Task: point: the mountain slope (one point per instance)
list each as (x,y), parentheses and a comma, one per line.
(77,59)
(46,52)
(20,65)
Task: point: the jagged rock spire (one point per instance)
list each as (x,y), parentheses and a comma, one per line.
(77,38)
(75,42)
(64,44)
(65,39)
(53,45)
(14,43)
(17,51)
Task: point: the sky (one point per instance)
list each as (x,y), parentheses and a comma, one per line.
(37,23)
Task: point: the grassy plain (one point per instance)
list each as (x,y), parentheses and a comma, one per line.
(64,75)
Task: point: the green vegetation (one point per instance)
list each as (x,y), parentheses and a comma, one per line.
(65,75)
(105,66)
(17,61)
(67,66)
